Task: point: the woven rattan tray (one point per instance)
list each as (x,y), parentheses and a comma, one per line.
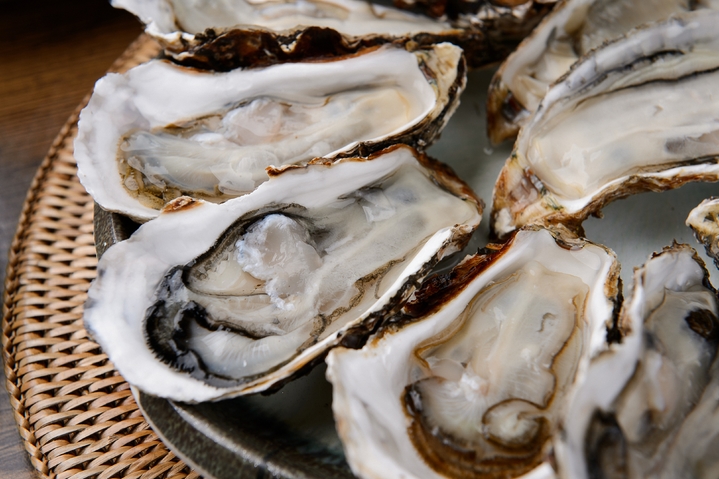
(76,415)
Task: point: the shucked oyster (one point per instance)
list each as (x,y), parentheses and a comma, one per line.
(573,29)
(217,300)
(206,32)
(180,20)
(648,406)
(473,381)
(213,33)
(161,131)
(638,114)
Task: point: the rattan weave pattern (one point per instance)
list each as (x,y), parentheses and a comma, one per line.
(75,413)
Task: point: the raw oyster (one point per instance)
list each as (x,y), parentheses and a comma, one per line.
(218,300)
(638,114)
(179,20)
(196,32)
(161,131)
(704,220)
(573,29)
(637,416)
(473,380)
(211,33)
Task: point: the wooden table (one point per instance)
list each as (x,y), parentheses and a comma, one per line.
(53,51)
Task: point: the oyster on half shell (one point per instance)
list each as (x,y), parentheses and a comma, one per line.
(215,300)
(572,30)
(212,33)
(648,407)
(178,21)
(161,131)
(473,379)
(637,114)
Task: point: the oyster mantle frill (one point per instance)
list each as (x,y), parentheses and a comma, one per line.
(161,131)
(474,377)
(219,300)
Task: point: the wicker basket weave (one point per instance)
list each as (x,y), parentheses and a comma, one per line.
(75,413)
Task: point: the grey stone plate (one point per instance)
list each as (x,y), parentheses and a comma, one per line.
(291,434)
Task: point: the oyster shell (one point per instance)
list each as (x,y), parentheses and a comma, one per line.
(179,20)
(638,114)
(573,29)
(161,131)
(219,300)
(213,34)
(473,379)
(215,31)
(637,399)
(496,26)
(704,220)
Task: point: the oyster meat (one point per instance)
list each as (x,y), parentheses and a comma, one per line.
(218,300)
(472,380)
(637,114)
(638,417)
(572,30)
(161,131)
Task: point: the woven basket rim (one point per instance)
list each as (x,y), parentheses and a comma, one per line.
(75,415)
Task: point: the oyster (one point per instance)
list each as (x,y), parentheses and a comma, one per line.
(179,20)
(572,30)
(648,391)
(638,114)
(219,300)
(704,220)
(473,379)
(161,131)
(213,33)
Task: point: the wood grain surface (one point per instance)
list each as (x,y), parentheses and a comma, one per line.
(53,52)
